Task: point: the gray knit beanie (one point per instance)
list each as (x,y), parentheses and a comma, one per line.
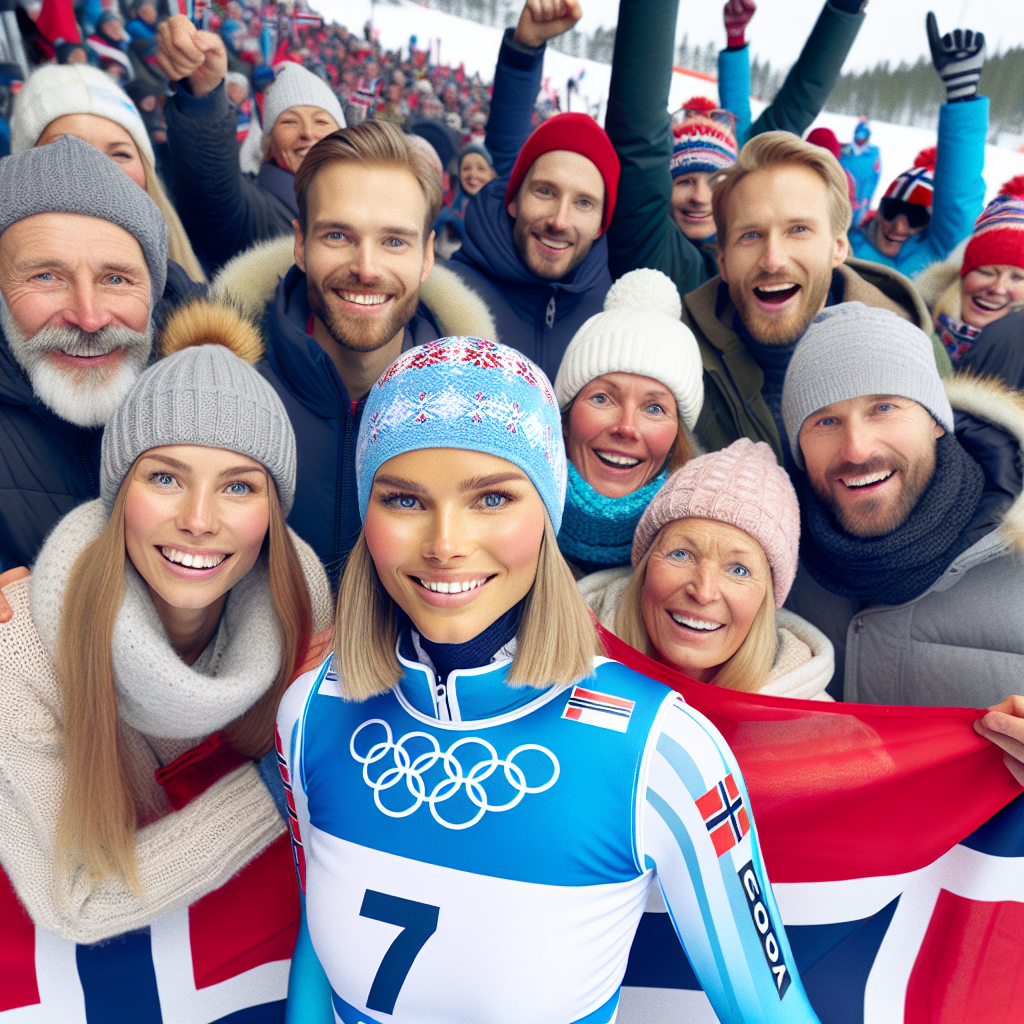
(852,350)
(69,176)
(204,395)
(294,86)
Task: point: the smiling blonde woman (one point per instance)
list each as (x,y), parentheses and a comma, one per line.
(714,558)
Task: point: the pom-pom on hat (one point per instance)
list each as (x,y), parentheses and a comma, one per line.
(470,394)
(577,133)
(916,185)
(639,332)
(998,238)
(702,144)
(204,391)
(742,485)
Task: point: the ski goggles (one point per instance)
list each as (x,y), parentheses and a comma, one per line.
(917,216)
(725,118)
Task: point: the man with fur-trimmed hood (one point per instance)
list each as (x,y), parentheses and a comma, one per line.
(358,287)
(913,519)
(83,259)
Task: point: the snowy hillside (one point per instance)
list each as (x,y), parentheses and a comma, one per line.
(476,46)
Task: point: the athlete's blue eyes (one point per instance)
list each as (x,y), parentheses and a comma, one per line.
(494,500)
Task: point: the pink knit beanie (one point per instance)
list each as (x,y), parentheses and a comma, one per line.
(742,485)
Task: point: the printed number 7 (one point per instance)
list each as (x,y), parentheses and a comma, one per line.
(418,921)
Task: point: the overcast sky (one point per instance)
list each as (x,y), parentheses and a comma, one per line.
(893,30)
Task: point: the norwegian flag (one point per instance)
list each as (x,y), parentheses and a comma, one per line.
(601,709)
(306,19)
(894,841)
(225,957)
(724,814)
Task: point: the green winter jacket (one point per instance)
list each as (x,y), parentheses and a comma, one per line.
(642,232)
(733,404)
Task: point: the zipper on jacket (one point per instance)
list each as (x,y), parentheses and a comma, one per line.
(90,475)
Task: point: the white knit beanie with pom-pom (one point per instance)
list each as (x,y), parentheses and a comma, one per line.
(639,332)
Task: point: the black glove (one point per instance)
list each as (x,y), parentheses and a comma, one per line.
(958,57)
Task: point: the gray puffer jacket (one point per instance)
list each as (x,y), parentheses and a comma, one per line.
(961,642)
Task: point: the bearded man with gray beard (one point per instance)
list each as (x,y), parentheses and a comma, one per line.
(83,257)
(781,215)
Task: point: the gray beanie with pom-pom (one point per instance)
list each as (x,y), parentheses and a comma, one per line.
(202,394)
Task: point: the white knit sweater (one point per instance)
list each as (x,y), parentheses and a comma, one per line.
(181,856)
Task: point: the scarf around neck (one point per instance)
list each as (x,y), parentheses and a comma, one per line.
(903,564)
(957,336)
(597,532)
(157,693)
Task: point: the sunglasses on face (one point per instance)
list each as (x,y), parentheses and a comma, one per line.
(917,216)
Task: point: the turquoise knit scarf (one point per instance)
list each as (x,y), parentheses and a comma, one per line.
(597,532)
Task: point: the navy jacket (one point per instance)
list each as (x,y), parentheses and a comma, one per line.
(224,210)
(536,316)
(47,465)
(326,510)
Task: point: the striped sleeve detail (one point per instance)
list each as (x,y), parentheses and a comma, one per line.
(698,833)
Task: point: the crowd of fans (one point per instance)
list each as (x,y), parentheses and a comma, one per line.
(352,338)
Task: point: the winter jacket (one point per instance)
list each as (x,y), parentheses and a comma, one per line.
(265,282)
(224,210)
(642,232)
(47,465)
(733,404)
(961,642)
(803,664)
(864,165)
(536,316)
(958,195)
(999,352)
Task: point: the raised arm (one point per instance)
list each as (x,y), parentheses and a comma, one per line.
(697,831)
(642,232)
(223,212)
(809,83)
(517,76)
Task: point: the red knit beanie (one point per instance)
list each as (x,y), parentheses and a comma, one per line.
(998,238)
(577,133)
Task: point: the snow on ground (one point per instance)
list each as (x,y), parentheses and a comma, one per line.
(476,46)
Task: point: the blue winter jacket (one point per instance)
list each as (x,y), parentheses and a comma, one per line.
(326,514)
(865,167)
(534,315)
(959,191)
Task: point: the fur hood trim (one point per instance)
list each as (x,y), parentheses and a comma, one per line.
(250,280)
(939,283)
(992,401)
(209,323)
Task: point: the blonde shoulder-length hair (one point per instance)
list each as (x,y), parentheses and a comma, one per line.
(747,669)
(103,802)
(179,248)
(557,640)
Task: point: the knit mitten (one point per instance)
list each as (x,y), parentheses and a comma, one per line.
(736,14)
(958,57)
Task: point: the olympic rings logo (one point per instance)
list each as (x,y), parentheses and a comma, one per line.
(402,766)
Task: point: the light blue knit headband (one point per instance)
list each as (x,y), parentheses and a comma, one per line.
(471,394)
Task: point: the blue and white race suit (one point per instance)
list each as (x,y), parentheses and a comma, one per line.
(476,852)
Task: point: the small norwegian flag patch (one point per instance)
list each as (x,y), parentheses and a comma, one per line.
(600,709)
(724,814)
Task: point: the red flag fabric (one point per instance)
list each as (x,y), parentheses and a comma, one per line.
(844,791)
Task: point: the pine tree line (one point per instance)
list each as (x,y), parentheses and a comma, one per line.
(911,94)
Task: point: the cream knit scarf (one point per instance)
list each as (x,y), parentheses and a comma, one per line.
(158,694)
